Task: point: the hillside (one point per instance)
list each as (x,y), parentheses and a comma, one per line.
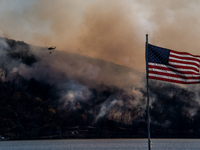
(65,95)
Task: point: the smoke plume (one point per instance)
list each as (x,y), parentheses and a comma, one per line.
(110,30)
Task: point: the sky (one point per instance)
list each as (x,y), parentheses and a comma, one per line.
(112,30)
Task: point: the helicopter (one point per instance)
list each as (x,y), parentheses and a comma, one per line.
(51,48)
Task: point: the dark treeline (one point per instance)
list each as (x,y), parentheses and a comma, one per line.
(30,111)
(36,109)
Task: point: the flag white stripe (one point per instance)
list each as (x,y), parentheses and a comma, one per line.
(180,64)
(173,78)
(183,55)
(170,67)
(172,72)
(184,60)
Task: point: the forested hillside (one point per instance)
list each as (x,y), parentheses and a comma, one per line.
(62,95)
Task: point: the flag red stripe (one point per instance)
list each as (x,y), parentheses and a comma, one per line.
(173,75)
(169,80)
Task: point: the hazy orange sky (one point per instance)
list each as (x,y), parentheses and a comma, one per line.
(113,30)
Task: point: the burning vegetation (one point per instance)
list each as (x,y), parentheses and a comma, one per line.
(65,95)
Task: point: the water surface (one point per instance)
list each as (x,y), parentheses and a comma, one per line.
(102,144)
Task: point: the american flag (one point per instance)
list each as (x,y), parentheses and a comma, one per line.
(172,66)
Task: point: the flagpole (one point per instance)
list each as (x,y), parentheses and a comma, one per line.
(148,120)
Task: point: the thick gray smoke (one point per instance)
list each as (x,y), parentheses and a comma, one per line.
(7,64)
(74,76)
(98,88)
(77,78)
(73,93)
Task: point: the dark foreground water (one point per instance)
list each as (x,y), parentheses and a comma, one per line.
(106,144)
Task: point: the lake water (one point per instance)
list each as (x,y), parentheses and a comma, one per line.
(104,144)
